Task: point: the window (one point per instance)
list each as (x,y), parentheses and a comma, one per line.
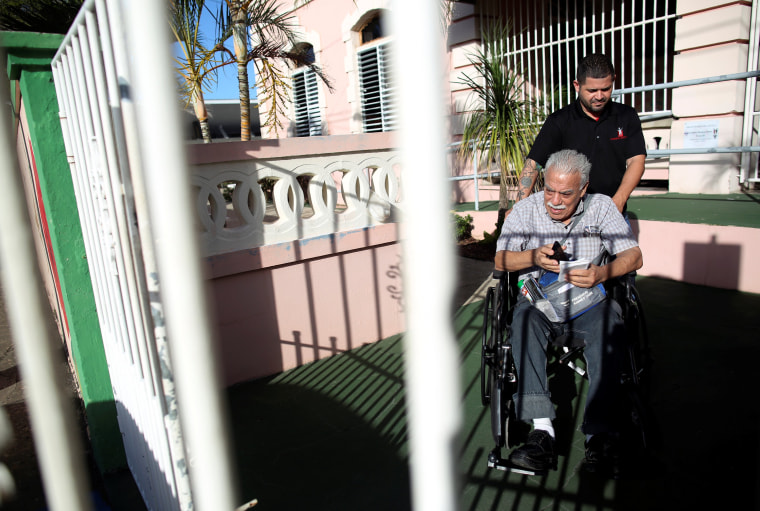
(375,83)
(308,120)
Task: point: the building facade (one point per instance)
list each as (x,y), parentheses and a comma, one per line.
(665,45)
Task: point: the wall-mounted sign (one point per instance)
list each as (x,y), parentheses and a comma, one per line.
(700,134)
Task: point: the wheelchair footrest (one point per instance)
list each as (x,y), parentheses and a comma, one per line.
(496,461)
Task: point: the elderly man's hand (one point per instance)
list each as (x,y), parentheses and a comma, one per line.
(541,258)
(587,278)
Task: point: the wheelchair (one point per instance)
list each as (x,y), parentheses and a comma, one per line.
(498,373)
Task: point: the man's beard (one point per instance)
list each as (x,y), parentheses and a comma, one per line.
(595,108)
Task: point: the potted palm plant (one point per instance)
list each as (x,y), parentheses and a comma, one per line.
(503,121)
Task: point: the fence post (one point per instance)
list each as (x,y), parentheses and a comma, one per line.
(432,366)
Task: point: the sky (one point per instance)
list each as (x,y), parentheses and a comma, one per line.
(227,85)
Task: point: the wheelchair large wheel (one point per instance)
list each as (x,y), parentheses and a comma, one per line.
(636,380)
(487,351)
(639,356)
(503,423)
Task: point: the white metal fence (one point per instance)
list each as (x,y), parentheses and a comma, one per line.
(114,80)
(750,163)
(550,38)
(107,83)
(92,83)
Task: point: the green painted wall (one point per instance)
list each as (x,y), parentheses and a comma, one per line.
(29,58)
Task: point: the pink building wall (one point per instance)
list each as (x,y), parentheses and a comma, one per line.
(711,38)
(279,305)
(710,255)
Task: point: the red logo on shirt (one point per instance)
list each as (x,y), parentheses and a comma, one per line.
(620,135)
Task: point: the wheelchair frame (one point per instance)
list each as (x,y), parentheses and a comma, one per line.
(498,374)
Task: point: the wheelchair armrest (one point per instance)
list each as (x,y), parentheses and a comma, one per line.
(499,274)
(621,289)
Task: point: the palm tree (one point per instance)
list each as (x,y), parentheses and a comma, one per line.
(196,66)
(506,122)
(263,35)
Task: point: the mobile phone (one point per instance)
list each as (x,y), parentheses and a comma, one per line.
(559,254)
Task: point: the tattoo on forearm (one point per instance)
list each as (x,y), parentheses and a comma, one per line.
(527,178)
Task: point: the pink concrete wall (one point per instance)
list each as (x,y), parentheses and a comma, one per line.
(710,255)
(284,305)
(481,221)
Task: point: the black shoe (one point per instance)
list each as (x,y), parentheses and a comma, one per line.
(603,455)
(537,453)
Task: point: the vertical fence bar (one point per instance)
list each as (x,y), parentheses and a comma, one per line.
(553,49)
(643,28)
(613,34)
(542,59)
(603,29)
(475,179)
(653,57)
(430,350)
(753,63)
(201,411)
(568,65)
(593,26)
(665,76)
(56,439)
(122,109)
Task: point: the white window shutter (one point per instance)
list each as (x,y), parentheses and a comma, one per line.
(306,101)
(377,91)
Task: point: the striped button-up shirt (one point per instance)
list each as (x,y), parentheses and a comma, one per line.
(601,227)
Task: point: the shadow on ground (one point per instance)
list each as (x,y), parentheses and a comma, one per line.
(330,435)
(327,436)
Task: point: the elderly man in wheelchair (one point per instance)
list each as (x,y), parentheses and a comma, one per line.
(560,235)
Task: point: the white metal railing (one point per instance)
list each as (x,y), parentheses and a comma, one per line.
(750,163)
(113,77)
(345,192)
(549,39)
(93,120)
(430,352)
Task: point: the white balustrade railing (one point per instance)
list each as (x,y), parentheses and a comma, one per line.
(310,196)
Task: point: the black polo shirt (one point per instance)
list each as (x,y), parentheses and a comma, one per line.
(607,142)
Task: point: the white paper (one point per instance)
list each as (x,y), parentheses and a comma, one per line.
(566,266)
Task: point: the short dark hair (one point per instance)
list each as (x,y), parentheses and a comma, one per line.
(596,65)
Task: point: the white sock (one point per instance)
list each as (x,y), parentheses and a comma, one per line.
(544,424)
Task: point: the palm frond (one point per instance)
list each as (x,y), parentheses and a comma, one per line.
(503,121)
